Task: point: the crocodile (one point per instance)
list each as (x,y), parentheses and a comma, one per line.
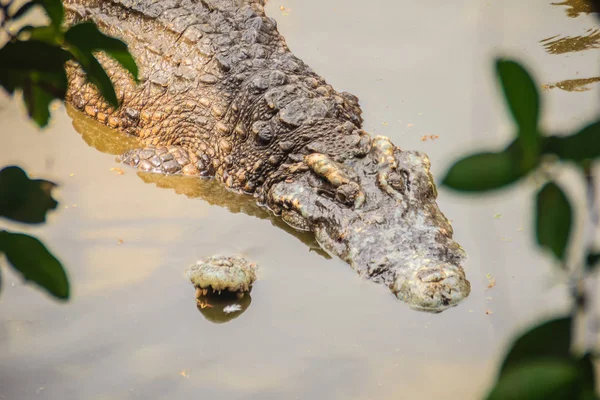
(220,95)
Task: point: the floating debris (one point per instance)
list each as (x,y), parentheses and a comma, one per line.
(185,373)
(118,171)
(488,312)
(491,281)
(120,241)
(497,216)
(424,138)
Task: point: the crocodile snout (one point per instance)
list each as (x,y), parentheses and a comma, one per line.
(433,289)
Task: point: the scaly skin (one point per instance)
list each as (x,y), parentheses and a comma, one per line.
(222,96)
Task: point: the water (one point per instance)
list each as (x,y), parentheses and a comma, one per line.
(313,330)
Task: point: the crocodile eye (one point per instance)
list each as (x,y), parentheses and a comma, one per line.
(424,186)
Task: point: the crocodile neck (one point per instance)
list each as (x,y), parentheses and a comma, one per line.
(217,79)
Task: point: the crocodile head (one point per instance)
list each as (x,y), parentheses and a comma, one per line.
(378,212)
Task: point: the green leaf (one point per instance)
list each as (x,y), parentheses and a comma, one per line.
(587,372)
(37,68)
(37,101)
(553,219)
(23,199)
(584,145)
(520,92)
(539,379)
(31,258)
(54,9)
(551,339)
(88,39)
(484,171)
(32,55)
(45,34)
(521,95)
(97,76)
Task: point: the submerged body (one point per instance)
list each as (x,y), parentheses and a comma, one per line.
(222,96)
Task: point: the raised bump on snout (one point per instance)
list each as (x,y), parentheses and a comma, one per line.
(388,179)
(347,190)
(383,151)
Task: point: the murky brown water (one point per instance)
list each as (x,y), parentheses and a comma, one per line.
(313,329)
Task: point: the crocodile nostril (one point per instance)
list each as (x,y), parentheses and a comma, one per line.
(347,193)
(397,181)
(431,275)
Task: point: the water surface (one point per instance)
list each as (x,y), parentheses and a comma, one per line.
(314,330)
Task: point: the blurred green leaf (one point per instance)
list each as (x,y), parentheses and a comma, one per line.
(523,101)
(587,372)
(31,258)
(45,34)
(23,199)
(484,171)
(32,55)
(551,339)
(553,219)
(583,145)
(37,68)
(88,39)
(54,9)
(97,76)
(37,101)
(539,379)
(520,92)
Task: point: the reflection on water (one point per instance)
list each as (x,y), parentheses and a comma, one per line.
(223,308)
(110,141)
(573,85)
(99,137)
(567,44)
(575,7)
